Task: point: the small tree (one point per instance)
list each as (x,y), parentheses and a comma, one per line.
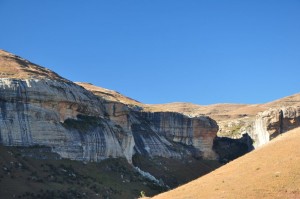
(143,194)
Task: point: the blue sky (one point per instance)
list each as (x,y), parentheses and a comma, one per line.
(159,51)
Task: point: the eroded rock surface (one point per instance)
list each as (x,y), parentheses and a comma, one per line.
(234,120)
(39,111)
(273,122)
(38,107)
(265,126)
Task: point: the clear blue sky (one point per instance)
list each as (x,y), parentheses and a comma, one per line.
(159,51)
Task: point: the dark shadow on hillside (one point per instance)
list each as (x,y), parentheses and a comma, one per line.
(229,149)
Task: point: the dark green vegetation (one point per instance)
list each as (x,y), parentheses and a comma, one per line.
(83,123)
(174,172)
(35,172)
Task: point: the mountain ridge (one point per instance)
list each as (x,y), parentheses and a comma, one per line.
(13,66)
(234,110)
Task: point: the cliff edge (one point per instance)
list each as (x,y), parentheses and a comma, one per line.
(83,122)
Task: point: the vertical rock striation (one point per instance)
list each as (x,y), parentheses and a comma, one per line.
(38,107)
(197,132)
(36,112)
(273,122)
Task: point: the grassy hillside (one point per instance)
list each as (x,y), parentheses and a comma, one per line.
(36,172)
(175,172)
(47,176)
(13,66)
(272,171)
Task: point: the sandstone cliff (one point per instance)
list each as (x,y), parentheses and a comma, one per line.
(38,107)
(273,122)
(84,122)
(262,122)
(277,118)
(45,112)
(157,132)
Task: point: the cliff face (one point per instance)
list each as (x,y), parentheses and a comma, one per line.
(266,125)
(273,122)
(38,107)
(197,132)
(235,121)
(163,134)
(45,112)
(159,133)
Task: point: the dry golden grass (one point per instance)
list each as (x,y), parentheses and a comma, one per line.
(293,100)
(218,112)
(12,66)
(272,171)
(109,94)
(221,112)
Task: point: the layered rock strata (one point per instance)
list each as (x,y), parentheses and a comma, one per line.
(39,111)
(266,125)
(259,121)
(159,133)
(195,132)
(273,122)
(38,107)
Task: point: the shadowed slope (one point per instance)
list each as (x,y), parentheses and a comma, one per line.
(272,171)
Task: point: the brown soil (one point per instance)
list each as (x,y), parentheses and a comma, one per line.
(272,171)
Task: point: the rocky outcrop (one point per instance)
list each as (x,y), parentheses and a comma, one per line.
(265,125)
(234,120)
(164,134)
(39,111)
(273,122)
(159,133)
(197,132)
(38,107)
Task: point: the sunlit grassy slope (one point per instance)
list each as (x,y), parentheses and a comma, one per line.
(272,171)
